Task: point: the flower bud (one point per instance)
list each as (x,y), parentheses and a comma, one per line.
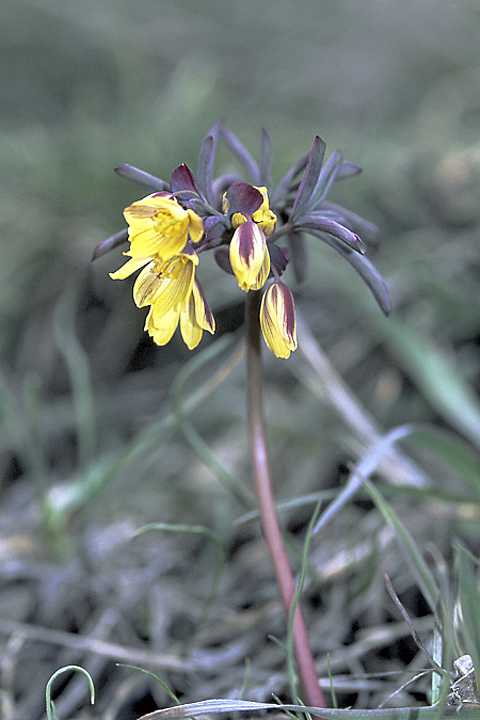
(249,256)
(277,319)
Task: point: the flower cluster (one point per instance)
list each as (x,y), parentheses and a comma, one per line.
(242,223)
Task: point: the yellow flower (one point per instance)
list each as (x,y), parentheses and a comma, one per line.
(158,228)
(174,295)
(194,317)
(263,217)
(249,256)
(277,319)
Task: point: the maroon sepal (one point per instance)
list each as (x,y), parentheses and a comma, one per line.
(243,198)
(182,178)
(279,257)
(222,257)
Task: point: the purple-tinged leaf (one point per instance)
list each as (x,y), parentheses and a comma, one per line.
(266,159)
(110,243)
(310,179)
(326,179)
(206,161)
(364,268)
(182,178)
(332,227)
(347,169)
(279,257)
(285,184)
(298,249)
(205,167)
(241,152)
(243,198)
(369,232)
(133,174)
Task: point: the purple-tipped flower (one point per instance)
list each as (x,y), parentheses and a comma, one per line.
(278,321)
(249,256)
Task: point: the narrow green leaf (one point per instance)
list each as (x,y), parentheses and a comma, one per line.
(469,601)
(437,375)
(195,530)
(219,706)
(79,373)
(48,690)
(415,561)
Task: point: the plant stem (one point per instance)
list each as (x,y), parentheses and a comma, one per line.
(266,502)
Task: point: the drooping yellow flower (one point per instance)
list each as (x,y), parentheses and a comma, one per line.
(158,228)
(194,316)
(249,256)
(277,319)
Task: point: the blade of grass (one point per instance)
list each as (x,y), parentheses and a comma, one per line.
(415,561)
(452,450)
(367,465)
(469,601)
(79,372)
(169,692)
(196,530)
(48,690)
(207,707)
(295,602)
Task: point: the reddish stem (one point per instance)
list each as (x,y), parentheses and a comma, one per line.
(266,502)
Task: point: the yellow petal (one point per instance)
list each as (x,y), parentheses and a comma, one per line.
(203,314)
(149,284)
(190,329)
(237,219)
(264,216)
(162,332)
(141,212)
(129,267)
(262,275)
(277,320)
(196,226)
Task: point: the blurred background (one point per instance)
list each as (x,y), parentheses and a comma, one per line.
(89,451)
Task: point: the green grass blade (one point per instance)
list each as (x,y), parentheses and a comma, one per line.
(415,561)
(196,530)
(469,600)
(48,689)
(79,371)
(437,375)
(367,465)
